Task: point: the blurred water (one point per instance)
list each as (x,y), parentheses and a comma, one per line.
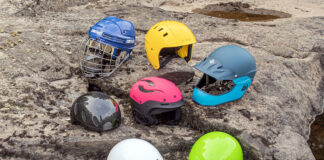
(240,16)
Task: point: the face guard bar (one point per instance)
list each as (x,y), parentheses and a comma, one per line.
(101,60)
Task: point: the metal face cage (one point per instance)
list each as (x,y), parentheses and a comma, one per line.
(101,60)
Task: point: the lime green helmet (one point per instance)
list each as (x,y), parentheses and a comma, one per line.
(216,146)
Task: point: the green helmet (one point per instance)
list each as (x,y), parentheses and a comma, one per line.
(216,146)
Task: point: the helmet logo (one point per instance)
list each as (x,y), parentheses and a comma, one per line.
(96,31)
(212,61)
(150,83)
(142,89)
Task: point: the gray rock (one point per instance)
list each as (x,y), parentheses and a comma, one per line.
(138,67)
(285,96)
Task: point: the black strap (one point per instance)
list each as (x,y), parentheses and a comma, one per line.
(189,53)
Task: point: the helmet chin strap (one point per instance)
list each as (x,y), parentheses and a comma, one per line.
(207,80)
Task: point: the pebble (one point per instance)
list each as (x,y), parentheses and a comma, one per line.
(10,43)
(245,113)
(13,34)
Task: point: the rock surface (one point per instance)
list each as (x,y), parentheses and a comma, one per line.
(40,78)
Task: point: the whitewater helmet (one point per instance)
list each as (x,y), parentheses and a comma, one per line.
(96,111)
(109,44)
(216,146)
(134,149)
(230,66)
(156,100)
(168,37)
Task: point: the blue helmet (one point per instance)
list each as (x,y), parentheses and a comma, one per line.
(110,42)
(227,63)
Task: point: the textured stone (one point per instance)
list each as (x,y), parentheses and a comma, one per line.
(271,121)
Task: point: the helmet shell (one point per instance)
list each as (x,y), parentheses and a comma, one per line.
(153,96)
(96,111)
(114,32)
(216,146)
(228,62)
(168,34)
(134,149)
(155,89)
(109,44)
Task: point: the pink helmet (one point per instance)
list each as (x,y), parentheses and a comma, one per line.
(156,100)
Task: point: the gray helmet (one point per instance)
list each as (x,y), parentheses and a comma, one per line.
(96,111)
(228,63)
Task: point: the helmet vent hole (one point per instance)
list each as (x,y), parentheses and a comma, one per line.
(164,100)
(165,34)
(174,96)
(155,27)
(160,29)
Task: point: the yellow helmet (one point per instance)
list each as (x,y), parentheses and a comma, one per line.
(168,34)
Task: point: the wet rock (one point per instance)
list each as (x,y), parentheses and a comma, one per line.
(240,11)
(316,139)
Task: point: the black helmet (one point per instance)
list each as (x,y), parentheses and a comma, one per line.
(156,101)
(96,111)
